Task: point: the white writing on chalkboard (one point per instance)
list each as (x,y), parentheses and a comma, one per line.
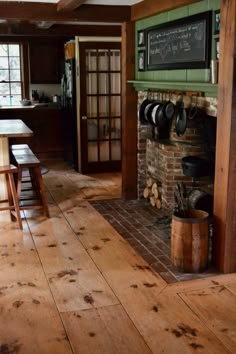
(174,43)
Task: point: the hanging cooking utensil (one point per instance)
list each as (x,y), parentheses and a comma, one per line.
(193,110)
(169,109)
(143,110)
(181,119)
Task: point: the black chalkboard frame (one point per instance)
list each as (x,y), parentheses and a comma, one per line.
(204,63)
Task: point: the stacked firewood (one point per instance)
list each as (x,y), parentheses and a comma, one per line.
(152,193)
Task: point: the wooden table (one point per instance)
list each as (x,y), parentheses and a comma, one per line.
(10,128)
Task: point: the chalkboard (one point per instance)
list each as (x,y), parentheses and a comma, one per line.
(180,44)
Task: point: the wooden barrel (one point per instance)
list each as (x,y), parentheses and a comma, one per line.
(189,241)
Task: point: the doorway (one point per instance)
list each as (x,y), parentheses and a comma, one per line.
(100,106)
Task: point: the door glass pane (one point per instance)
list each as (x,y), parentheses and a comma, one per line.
(115,83)
(92,152)
(104,129)
(115,106)
(91,84)
(103,84)
(92,129)
(115,60)
(91,60)
(115,128)
(103,56)
(103,106)
(91,107)
(104,151)
(115,150)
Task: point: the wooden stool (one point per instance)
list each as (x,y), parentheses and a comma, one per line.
(25,159)
(8,171)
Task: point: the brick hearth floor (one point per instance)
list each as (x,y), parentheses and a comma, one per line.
(148,231)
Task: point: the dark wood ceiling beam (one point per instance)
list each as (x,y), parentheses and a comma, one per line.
(148,8)
(18,30)
(48,12)
(69,5)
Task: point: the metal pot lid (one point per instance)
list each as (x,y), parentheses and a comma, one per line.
(150,108)
(142,116)
(181,122)
(154,112)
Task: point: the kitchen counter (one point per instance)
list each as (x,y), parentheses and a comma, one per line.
(30,107)
(47,124)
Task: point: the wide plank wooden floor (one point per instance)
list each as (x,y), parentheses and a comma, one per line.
(72,284)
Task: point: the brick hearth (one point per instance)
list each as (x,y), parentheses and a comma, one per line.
(161,159)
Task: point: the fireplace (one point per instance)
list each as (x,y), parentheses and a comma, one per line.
(161,159)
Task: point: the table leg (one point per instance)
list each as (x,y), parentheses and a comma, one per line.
(4,160)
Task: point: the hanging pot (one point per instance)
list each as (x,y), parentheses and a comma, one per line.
(181,119)
(169,110)
(151,112)
(143,111)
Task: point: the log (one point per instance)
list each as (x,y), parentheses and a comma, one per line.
(147,192)
(158,204)
(153,201)
(155,190)
(149,182)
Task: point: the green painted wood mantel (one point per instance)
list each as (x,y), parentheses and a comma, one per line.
(184,79)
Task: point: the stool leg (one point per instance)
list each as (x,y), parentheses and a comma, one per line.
(39,179)
(9,195)
(15,199)
(19,181)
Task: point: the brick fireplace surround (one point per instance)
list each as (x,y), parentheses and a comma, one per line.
(161,159)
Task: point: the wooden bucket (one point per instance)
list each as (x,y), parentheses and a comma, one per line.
(190,241)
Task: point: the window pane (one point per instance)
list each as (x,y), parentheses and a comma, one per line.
(104,151)
(4,75)
(103,83)
(14,62)
(91,60)
(3,63)
(15,75)
(15,100)
(91,83)
(91,107)
(103,106)
(5,100)
(115,128)
(115,83)
(92,129)
(115,60)
(103,60)
(115,106)
(15,87)
(14,50)
(115,150)
(104,129)
(4,89)
(92,152)
(3,50)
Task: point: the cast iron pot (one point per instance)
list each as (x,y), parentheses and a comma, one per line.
(142,111)
(181,119)
(195,166)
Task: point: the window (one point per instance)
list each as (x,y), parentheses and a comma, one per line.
(10,74)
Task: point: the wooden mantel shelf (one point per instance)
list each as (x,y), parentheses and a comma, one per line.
(208,88)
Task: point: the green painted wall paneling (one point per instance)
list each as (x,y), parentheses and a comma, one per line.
(187,75)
